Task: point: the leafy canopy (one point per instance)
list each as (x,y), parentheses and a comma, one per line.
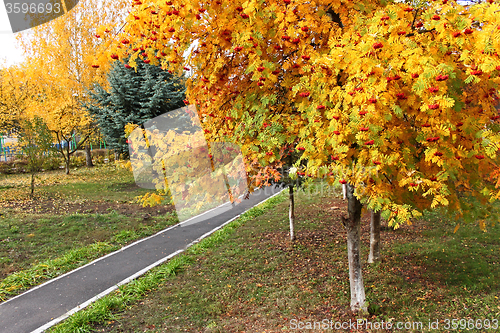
(397,99)
(60,64)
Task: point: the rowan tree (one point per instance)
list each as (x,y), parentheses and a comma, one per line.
(396,101)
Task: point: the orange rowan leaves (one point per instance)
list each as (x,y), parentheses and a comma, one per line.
(406,77)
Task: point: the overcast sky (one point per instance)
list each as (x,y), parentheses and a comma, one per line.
(8,50)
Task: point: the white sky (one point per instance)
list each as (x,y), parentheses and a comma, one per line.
(9,53)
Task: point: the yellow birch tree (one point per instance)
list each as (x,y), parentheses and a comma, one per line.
(61,56)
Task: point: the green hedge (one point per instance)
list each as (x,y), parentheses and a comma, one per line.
(78,159)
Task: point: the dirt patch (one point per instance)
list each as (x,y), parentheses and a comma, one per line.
(331,229)
(62,207)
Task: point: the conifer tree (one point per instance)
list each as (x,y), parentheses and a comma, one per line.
(133,96)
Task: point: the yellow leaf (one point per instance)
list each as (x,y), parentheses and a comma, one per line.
(482,225)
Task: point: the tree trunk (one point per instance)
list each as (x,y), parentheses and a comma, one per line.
(67,159)
(32,184)
(374,238)
(117,155)
(228,188)
(88,156)
(352,224)
(291,214)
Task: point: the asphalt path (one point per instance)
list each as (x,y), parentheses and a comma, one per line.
(44,306)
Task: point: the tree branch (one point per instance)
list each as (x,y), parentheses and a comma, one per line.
(414,19)
(335,17)
(420,32)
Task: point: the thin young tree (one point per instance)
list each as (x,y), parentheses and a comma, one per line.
(36,143)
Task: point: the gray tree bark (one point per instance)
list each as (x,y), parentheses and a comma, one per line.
(353,226)
(32,187)
(67,159)
(88,156)
(291,213)
(374,238)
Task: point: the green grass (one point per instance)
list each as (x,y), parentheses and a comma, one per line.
(49,269)
(88,236)
(69,215)
(251,279)
(37,238)
(104,181)
(105,308)
(442,274)
(246,277)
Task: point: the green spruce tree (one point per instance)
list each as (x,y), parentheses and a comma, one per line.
(133,97)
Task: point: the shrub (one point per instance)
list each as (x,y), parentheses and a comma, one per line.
(99,152)
(77,161)
(6,168)
(98,155)
(79,153)
(98,160)
(52,163)
(11,167)
(19,165)
(111,156)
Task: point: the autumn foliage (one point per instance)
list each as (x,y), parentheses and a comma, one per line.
(170,154)
(397,100)
(60,66)
(16,97)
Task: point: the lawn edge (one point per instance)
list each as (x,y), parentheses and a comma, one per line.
(132,288)
(36,276)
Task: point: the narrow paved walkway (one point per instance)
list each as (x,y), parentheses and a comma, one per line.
(44,306)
